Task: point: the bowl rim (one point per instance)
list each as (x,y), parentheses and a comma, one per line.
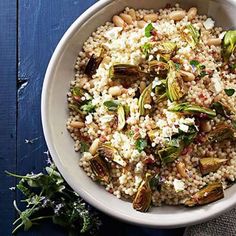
(179,222)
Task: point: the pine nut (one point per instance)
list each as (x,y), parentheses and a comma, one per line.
(205,126)
(187,76)
(177,15)
(151,17)
(141,24)
(181,169)
(93,148)
(127,18)
(118,21)
(77,124)
(213,41)
(115,91)
(132,14)
(192,12)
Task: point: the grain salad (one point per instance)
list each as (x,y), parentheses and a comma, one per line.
(152,107)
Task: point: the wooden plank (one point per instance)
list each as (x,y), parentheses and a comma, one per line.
(41,25)
(8,24)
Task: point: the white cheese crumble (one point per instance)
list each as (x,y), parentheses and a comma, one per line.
(113,33)
(89,119)
(209,24)
(178,185)
(184,127)
(216,83)
(106,118)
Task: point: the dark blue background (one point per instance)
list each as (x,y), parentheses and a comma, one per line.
(29,33)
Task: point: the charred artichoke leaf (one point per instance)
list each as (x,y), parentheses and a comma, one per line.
(221,133)
(187,108)
(228,44)
(93,64)
(167,50)
(193,35)
(169,154)
(175,86)
(159,68)
(110,154)
(210,164)
(210,193)
(125,73)
(145,98)
(100,169)
(143,197)
(121,118)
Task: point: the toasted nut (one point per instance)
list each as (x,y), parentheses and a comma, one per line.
(177,15)
(213,41)
(205,126)
(106,60)
(141,24)
(181,169)
(151,17)
(118,21)
(127,18)
(142,86)
(187,76)
(77,124)
(115,91)
(192,12)
(132,14)
(83,81)
(93,148)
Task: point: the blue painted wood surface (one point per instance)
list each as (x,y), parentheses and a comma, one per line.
(8,39)
(41,24)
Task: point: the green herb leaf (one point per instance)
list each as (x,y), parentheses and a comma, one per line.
(84,147)
(146,48)
(229,92)
(155,182)
(194,63)
(141,144)
(111,105)
(148,30)
(219,108)
(177,66)
(49,193)
(88,108)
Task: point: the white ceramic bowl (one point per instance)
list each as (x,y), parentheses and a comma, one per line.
(54,115)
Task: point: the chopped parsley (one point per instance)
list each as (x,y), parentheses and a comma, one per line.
(148,30)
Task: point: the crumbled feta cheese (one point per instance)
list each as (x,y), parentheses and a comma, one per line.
(89,119)
(167,132)
(216,83)
(113,33)
(221,36)
(106,118)
(117,158)
(147,106)
(209,24)
(156,82)
(139,167)
(184,127)
(178,185)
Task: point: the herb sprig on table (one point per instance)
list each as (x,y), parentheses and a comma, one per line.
(48,196)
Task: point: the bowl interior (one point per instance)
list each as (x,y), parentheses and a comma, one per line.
(54,115)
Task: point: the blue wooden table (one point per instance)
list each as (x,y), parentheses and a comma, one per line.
(29,33)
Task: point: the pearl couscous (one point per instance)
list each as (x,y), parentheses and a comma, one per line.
(152,107)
